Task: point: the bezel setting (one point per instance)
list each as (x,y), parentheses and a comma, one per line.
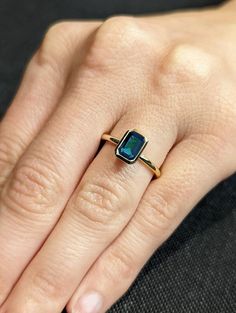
(131,146)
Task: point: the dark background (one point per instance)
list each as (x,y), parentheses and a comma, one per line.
(195,270)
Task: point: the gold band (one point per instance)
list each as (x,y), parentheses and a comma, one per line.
(142,158)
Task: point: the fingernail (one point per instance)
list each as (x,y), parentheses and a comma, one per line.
(89,303)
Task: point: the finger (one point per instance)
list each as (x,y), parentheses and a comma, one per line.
(40,90)
(190,170)
(22,231)
(100,208)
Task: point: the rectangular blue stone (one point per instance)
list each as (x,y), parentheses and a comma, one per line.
(130,146)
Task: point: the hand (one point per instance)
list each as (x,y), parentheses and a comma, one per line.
(77,224)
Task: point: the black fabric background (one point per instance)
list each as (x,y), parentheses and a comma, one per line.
(195,270)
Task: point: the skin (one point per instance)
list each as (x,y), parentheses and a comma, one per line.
(77,224)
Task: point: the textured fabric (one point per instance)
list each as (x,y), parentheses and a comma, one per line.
(195,270)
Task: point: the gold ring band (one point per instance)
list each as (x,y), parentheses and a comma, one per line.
(156,171)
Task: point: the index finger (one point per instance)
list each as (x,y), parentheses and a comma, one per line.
(25,216)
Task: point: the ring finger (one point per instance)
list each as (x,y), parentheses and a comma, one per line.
(186,175)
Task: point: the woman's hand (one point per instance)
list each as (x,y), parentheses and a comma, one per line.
(77,222)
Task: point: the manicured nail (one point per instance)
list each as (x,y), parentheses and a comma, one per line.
(89,303)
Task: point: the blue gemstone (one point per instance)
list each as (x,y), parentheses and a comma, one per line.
(130,146)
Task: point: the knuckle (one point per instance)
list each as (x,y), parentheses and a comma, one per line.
(57,28)
(188,63)
(47,283)
(33,185)
(118,39)
(122,266)
(99,201)
(57,36)
(158,213)
(120,30)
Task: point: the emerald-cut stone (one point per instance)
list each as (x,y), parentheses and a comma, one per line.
(130,146)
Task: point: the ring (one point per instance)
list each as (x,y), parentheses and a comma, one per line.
(130,147)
